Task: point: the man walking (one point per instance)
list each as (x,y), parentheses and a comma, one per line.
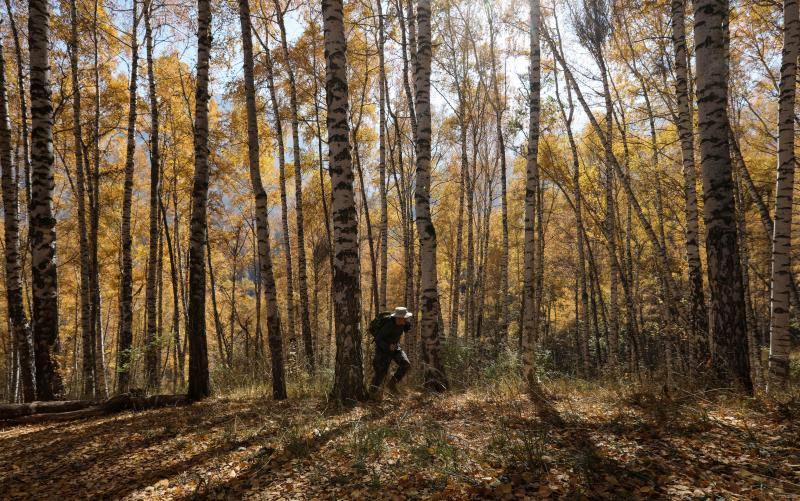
(387,328)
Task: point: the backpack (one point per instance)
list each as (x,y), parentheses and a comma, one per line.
(378,322)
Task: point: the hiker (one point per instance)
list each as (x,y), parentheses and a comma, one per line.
(387,328)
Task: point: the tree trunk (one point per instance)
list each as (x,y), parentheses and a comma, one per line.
(42,221)
(780,340)
(727,319)
(285,241)
(302,279)
(384,217)
(199,386)
(125,343)
(348,383)
(531,309)
(499,108)
(456,295)
(434,376)
(101,383)
(176,317)
(218,328)
(87,340)
(697,305)
(582,305)
(18,320)
(151,338)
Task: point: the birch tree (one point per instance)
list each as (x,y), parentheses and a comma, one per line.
(348,385)
(199,386)
(434,376)
(42,220)
(780,341)
(152,355)
(530,309)
(685,123)
(87,340)
(18,319)
(125,343)
(302,273)
(728,325)
(266,275)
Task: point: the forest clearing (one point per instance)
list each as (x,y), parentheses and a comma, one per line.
(614,443)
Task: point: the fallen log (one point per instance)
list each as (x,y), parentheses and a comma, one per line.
(117,403)
(13,411)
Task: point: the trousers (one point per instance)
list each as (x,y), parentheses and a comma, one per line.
(381,362)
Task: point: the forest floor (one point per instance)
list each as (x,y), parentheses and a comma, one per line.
(463,445)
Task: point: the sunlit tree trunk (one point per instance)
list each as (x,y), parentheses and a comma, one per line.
(302,279)
(429,291)
(697,305)
(18,320)
(42,220)
(94,223)
(218,327)
(780,341)
(23,106)
(530,308)
(384,218)
(727,319)
(285,241)
(87,342)
(348,383)
(177,361)
(498,106)
(125,344)
(582,306)
(199,386)
(151,339)
(406,25)
(322,190)
(456,295)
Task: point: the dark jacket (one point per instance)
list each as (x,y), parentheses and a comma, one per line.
(390,333)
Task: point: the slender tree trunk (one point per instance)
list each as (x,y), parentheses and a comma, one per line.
(348,383)
(321,169)
(582,304)
(42,221)
(456,295)
(87,341)
(285,241)
(610,224)
(302,278)
(531,309)
(94,225)
(728,323)
(23,107)
(697,305)
(17,319)
(199,386)
(754,348)
(124,361)
(780,340)
(151,339)
(429,291)
(470,222)
(176,316)
(384,218)
(499,107)
(218,328)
